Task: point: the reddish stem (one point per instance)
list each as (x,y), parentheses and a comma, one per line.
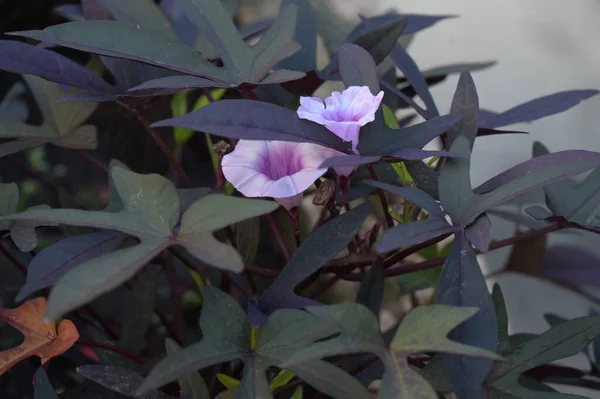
(382,199)
(111,348)
(176,166)
(279,238)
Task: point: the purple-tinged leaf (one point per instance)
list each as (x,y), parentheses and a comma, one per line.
(100,275)
(378,139)
(573,264)
(347,160)
(304,60)
(177,83)
(407,234)
(413,154)
(56,260)
(215,23)
(539,108)
(484,131)
(456,68)
(462,284)
(478,233)
(413,195)
(370,293)
(281,76)
(254,120)
(115,39)
(409,101)
(530,175)
(358,68)
(411,71)
(378,36)
(405,121)
(418,22)
(23,58)
(425,176)
(319,248)
(375,35)
(466,103)
(141,13)
(185,29)
(226,336)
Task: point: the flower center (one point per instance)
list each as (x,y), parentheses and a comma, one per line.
(281,161)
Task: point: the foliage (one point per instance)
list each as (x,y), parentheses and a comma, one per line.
(149,260)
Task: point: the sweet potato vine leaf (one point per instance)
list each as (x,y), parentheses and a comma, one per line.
(149,208)
(62,122)
(228,336)
(42,337)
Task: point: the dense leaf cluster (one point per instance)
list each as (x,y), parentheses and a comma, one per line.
(267,331)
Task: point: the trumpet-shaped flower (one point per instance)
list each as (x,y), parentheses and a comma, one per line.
(277,169)
(343,113)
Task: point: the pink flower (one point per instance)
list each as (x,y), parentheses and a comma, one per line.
(343,113)
(277,169)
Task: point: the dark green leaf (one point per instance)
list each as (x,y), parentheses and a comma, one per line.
(56,260)
(62,122)
(330,380)
(304,60)
(424,329)
(502,320)
(115,39)
(143,13)
(413,195)
(138,309)
(406,234)
(454,184)
(379,39)
(478,233)
(118,379)
(358,332)
(411,282)
(99,275)
(462,284)
(564,340)
(378,139)
(215,211)
(370,293)
(226,336)
(192,385)
(43,389)
(426,177)
(9,201)
(247,238)
(319,248)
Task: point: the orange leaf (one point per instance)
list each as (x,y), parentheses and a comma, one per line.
(41,336)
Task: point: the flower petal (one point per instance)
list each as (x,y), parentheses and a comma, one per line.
(311,108)
(347,131)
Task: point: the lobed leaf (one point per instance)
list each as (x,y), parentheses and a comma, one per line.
(42,338)
(462,284)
